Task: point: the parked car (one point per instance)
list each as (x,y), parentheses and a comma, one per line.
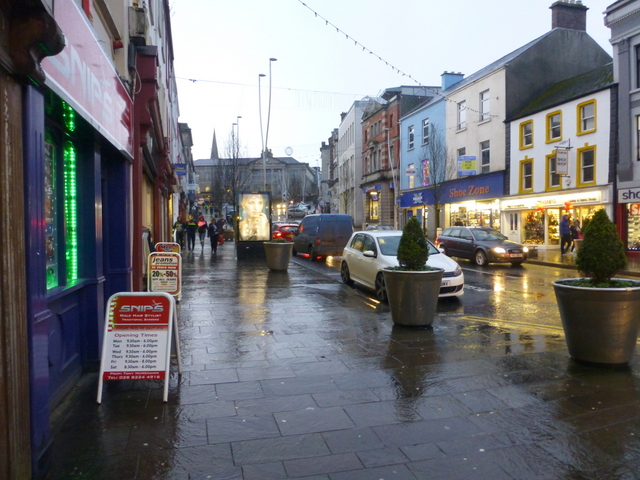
(370,252)
(379,227)
(283,231)
(297,212)
(482,245)
(323,234)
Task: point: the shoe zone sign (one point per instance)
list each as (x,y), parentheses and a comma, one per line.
(137,338)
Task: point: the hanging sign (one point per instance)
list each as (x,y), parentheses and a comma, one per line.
(562,161)
(137,338)
(164,273)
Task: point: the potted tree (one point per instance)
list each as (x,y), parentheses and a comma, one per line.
(278,253)
(600,313)
(413,287)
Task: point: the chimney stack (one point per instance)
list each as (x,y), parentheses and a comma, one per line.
(571,14)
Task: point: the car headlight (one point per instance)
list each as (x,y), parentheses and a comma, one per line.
(499,250)
(458,271)
(525,249)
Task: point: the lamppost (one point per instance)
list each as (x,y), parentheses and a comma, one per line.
(266,137)
(264,162)
(237,124)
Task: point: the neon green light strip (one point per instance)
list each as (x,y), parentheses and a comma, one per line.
(71,209)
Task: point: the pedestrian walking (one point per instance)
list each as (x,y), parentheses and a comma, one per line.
(565,234)
(212,233)
(179,229)
(221,223)
(192,227)
(575,233)
(202,230)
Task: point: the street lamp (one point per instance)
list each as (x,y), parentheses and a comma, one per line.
(266,137)
(237,124)
(264,162)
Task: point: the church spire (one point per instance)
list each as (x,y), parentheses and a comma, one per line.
(214,147)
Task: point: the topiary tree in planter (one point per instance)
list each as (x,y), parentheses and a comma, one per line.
(602,253)
(600,314)
(413,249)
(413,287)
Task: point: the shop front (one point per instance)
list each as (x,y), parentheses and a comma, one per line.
(628,218)
(78,153)
(535,219)
(472,201)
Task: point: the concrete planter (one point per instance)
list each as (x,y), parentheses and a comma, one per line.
(601,325)
(278,255)
(413,296)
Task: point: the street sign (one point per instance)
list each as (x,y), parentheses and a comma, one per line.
(164,273)
(165,247)
(137,338)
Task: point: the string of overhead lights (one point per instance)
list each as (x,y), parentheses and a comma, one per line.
(386,62)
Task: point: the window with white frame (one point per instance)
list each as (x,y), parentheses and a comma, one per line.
(462,115)
(411,137)
(425,131)
(485,156)
(485,112)
(587,117)
(586,166)
(553,179)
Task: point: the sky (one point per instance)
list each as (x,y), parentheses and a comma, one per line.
(329,54)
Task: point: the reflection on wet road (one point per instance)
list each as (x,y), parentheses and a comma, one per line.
(499,292)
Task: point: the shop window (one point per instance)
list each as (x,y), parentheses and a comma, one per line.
(553,179)
(533,226)
(586,166)
(586,117)
(633,226)
(373,205)
(554,127)
(526,175)
(60,199)
(526,135)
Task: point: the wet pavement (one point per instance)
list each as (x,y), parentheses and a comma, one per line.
(292,375)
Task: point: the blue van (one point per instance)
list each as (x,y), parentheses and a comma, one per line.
(322,235)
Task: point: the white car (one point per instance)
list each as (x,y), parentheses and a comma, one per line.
(368,253)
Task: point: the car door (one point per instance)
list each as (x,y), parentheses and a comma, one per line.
(449,241)
(465,243)
(353,256)
(369,264)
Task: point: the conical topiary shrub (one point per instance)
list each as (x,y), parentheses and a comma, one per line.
(413,249)
(602,253)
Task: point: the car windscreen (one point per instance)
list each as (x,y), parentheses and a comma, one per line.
(389,245)
(488,235)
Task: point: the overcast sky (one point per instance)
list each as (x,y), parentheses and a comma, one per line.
(221,46)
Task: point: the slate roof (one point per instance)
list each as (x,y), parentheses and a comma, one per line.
(567,90)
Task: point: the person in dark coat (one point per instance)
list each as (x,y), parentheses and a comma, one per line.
(565,234)
(192,227)
(212,233)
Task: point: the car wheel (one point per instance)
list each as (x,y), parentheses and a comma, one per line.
(344,273)
(480,258)
(313,255)
(381,288)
